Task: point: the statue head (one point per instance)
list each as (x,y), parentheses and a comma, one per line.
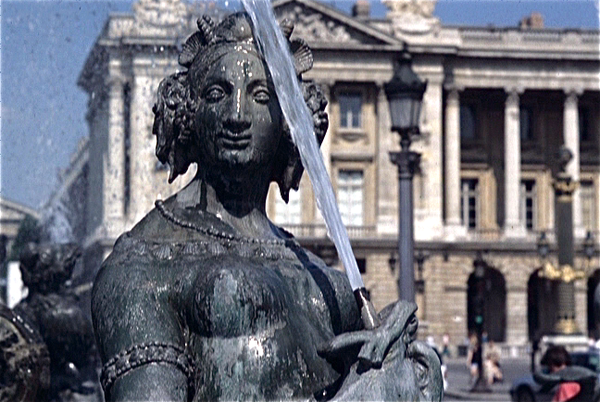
(189,113)
(46,267)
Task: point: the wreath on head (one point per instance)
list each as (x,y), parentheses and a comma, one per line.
(176,103)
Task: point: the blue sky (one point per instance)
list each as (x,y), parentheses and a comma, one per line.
(44,45)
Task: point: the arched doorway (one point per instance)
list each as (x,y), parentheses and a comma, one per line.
(494,319)
(592,284)
(541,305)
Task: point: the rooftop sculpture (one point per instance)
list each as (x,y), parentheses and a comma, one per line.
(207,299)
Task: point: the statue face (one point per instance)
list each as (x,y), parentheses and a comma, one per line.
(238,120)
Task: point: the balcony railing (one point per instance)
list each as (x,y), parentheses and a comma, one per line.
(309,230)
(483,234)
(511,36)
(497,234)
(319,230)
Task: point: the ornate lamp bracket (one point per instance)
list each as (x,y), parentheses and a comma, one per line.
(564,187)
(565,273)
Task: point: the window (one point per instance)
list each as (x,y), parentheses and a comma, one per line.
(528,206)
(526,123)
(469,206)
(290,213)
(584,116)
(467,122)
(350,196)
(350,109)
(588,212)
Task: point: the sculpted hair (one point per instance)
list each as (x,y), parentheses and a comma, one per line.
(177,104)
(45,267)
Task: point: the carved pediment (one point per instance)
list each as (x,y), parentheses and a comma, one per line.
(317,23)
(315,27)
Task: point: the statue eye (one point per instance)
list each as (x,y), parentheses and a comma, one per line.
(421,372)
(413,325)
(214,93)
(261,95)
(410,333)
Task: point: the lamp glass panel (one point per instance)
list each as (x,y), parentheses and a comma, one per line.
(416,113)
(543,250)
(479,270)
(400,112)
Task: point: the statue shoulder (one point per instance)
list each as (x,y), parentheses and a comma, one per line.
(136,321)
(350,316)
(133,298)
(155,227)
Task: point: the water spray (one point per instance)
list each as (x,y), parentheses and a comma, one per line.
(275,50)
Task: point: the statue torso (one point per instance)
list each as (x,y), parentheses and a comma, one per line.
(245,320)
(253,312)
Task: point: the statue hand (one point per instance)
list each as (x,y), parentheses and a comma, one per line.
(398,320)
(410,370)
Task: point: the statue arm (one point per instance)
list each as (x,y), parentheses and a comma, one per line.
(139,334)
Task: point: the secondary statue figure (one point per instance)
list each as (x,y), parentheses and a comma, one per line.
(205,298)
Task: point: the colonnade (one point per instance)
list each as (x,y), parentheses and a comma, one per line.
(514,227)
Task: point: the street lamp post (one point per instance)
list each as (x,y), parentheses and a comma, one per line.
(405,94)
(589,248)
(479,268)
(565,274)
(420,282)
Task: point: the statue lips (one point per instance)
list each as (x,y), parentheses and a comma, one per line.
(232,140)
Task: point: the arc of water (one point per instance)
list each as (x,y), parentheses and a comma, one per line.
(277,55)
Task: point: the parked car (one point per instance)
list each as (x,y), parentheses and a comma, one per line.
(525,389)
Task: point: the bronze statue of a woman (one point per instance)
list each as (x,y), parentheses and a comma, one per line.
(205,298)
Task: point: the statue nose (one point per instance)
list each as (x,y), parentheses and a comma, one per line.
(238,119)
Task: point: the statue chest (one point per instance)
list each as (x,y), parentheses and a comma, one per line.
(255,326)
(232,296)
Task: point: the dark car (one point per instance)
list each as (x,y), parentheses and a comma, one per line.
(525,389)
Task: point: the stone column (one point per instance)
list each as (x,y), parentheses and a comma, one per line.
(387,184)
(143,191)
(513,226)
(113,183)
(571,140)
(516,315)
(431,147)
(452,165)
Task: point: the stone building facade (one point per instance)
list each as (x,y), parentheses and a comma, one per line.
(499,103)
